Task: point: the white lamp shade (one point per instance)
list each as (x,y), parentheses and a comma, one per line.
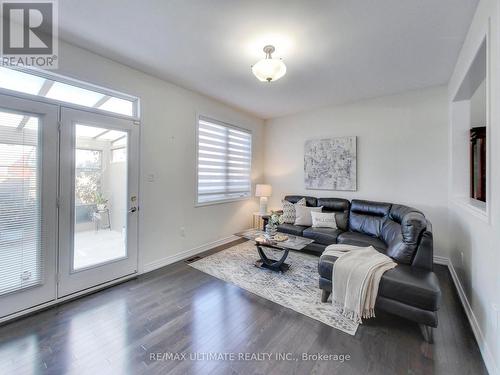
(269,70)
(262,190)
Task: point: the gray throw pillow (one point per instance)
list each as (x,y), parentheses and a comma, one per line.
(289,210)
(303,215)
(324,220)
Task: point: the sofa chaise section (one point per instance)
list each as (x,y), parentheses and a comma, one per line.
(411,290)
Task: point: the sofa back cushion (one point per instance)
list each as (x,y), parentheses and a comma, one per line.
(310,201)
(402,232)
(341,209)
(368,217)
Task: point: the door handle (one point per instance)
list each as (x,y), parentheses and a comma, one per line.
(132,210)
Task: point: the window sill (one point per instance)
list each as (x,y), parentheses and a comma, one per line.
(196,205)
(475,208)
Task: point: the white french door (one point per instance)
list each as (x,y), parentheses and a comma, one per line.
(28,203)
(98,218)
(68,202)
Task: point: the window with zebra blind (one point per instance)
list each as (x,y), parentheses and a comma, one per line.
(224,162)
(21,256)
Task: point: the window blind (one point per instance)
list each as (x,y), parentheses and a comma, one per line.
(21,263)
(224,161)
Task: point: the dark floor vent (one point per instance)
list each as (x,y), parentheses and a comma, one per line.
(193,259)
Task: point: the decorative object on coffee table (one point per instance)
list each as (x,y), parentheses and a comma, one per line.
(271,230)
(272,224)
(280,237)
(330,164)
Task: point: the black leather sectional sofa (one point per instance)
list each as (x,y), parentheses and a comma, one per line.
(411,290)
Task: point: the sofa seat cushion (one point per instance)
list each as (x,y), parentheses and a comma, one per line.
(360,239)
(413,286)
(323,236)
(296,230)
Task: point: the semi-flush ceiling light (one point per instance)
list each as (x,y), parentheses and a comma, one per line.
(269,69)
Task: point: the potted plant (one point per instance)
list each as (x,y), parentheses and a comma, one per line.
(100,201)
(272,224)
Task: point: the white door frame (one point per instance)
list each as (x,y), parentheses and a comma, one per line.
(71,281)
(24,299)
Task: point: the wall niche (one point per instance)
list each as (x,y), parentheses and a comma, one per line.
(469,136)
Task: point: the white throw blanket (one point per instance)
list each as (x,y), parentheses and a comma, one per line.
(356,277)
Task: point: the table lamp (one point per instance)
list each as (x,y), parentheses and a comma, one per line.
(263,191)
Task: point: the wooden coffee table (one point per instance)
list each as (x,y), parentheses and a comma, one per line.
(279,265)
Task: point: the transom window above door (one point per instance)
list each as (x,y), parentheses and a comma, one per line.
(65,90)
(224,162)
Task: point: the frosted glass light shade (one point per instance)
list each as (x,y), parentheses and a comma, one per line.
(262,190)
(269,70)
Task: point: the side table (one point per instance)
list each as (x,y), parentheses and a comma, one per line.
(259,220)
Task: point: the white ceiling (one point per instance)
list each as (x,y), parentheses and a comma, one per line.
(336,51)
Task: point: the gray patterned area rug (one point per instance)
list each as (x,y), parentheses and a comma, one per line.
(296,289)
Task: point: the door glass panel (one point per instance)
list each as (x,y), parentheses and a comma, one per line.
(21,262)
(100,206)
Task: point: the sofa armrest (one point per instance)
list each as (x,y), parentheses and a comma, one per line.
(424,257)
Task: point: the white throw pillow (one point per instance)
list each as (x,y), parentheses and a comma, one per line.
(289,210)
(323,220)
(303,215)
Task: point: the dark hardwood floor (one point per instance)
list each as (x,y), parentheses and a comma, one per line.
(178,309)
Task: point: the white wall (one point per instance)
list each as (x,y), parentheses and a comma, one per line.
(168,152)
(475,237)
(402,152)
(478,107)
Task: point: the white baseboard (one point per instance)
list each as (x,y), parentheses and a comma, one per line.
(488,357)
(186,254)
(441,260)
